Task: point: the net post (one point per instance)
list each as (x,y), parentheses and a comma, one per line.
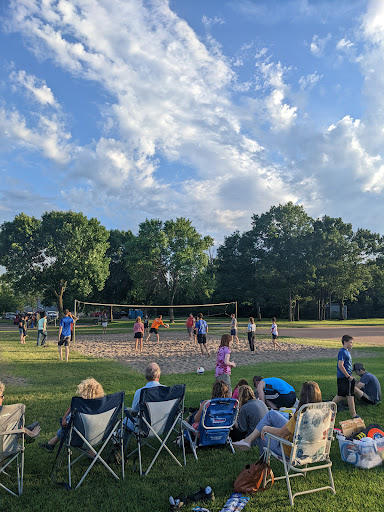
(111,314)
(74,323)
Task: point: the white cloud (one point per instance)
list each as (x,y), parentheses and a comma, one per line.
(344,44)
(38,88)
(208,22)
(309,81)
(318,45)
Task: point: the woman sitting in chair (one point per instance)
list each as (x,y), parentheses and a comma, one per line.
(275,423)
(219,390)
(88,388)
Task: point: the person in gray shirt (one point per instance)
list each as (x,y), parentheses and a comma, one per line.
(252,411)
(368,389)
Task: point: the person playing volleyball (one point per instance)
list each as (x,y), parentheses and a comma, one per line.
(138,329)
(155,327)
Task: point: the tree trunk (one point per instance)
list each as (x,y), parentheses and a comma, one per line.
(330,306)
(318,309)
(298,311)
(258,311)
(290,306)
(341,310)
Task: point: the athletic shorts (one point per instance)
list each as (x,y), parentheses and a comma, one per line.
(278,399)
(190,329)
(64,340)
(233,332)
(21,330)
(202,338)
(138,335)
(274,336)
(345,387)
(194,332)
(156,331)
(104,324)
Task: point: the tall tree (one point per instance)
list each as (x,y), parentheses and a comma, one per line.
(168,257)
(64,252)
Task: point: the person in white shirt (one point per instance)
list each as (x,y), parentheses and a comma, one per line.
(251,331)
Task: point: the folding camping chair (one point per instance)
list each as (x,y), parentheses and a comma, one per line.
(94,424)
(12,443)
(217,419)
(160,413)
(311,444)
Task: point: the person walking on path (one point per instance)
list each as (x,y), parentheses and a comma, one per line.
(274,334)
(138,329)
(251,330)
(201,327)
(65,335)
(234,328)
(42,329)
(223,364)
(190,324)
(155,327)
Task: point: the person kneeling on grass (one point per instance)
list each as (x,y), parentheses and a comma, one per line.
(88,388)
(275,423)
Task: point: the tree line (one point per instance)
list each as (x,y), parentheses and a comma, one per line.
(288,264)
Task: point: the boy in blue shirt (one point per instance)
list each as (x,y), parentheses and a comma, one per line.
(65,334)
(345,381)
(202,330)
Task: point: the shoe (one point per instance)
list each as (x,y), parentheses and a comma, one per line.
(357,416)
(241,446)
(47,447)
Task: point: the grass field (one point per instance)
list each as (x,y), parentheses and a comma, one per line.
(46,386)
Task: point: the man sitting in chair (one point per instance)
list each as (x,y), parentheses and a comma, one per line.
(152,374)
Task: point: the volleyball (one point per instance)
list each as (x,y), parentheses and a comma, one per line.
(200,370)
(167,326)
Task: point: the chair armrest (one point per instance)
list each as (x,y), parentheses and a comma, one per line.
(189,427)
(129,416)
(277,438)
(10,432)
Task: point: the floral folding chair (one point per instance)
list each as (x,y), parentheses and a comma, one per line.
(310,446)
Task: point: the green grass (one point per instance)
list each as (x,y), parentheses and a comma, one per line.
(46,386)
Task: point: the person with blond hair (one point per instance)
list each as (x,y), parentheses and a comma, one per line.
(88,388)
(275,423)
(138,330)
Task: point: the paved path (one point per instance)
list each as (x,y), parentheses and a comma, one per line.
(333,333)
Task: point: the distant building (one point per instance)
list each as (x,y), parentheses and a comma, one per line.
(333,312)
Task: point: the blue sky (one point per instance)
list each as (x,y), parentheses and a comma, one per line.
(213,110)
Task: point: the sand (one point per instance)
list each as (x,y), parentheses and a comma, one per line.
(177,355)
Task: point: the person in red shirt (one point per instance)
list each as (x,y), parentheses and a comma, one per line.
(190,323)
(155,327)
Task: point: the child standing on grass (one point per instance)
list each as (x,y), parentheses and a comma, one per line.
(138,329)
(274,333)
(223,364)
(345,381)
(251,330)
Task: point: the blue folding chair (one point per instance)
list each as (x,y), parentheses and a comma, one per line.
(94,424)
(217,419)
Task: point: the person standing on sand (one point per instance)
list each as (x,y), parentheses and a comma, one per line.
(138,329)
(202,330)
(146,324)
(190,324)
(155,327)
(234,328)
(251,330)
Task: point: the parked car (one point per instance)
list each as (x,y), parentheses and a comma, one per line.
(119,314)
(95,314)
(10,316)
(52,315)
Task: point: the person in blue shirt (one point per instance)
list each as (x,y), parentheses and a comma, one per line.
(65,335)
(368,389)
(345,381)
(202,330)
(275,392)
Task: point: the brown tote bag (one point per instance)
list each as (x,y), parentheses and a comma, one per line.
(251,478)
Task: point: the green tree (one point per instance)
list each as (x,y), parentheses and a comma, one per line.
(64,252)
(9,300)
(167,257)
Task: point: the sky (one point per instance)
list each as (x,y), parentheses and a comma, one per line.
(211,110)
